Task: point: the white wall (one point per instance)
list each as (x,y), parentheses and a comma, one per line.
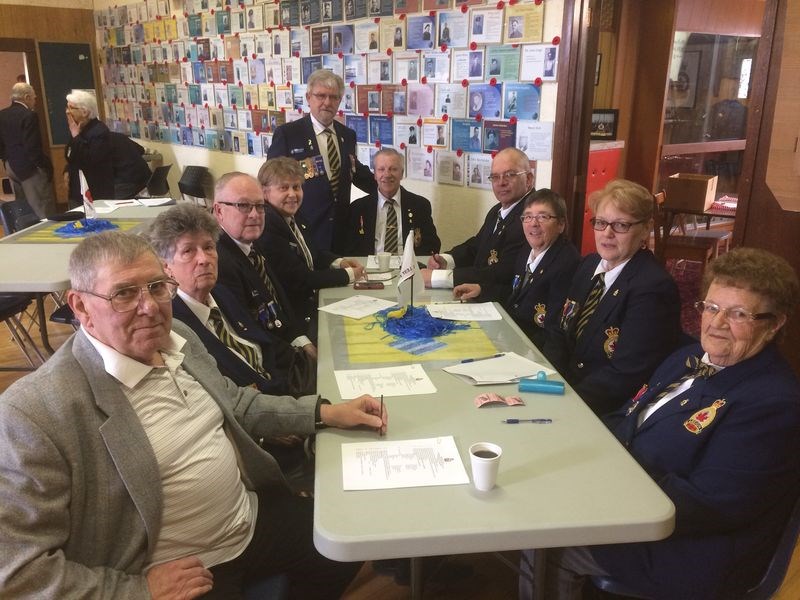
(458,212)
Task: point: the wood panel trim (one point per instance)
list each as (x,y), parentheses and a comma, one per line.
(699,147)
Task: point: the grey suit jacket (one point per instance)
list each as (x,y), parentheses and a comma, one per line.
(80,493)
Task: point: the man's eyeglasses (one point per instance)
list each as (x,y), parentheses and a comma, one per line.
(538,218)
(498,177)
(329,97)
(127,299)
(616,226)
(737,314)
(245,207)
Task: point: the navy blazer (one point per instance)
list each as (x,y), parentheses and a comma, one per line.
(279,246)
(91,152)
(230,364)
(635,326)
(325,215)
(240,277)
(489,256)
(415,214)
(529,303)
(727,453)
(21,141)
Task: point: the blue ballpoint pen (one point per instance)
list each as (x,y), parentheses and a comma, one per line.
(515,421)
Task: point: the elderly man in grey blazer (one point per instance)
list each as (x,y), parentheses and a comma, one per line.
(129,466)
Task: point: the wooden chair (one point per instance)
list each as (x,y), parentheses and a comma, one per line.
(689,247)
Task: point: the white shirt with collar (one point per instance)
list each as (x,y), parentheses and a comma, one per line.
(380,222)
(443,278)
(207,511)
(611,274)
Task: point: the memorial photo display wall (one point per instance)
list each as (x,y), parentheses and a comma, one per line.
(446,82)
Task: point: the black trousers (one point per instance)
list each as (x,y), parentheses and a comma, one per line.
(283,543)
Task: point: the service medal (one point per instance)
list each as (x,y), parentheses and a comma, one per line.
(567,313)
(612,335)
(417,235)
(703,417)
(541,312)
(493,258)
(308,168)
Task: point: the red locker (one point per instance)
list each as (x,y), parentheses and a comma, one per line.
(604,159)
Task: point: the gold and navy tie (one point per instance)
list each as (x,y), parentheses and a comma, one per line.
(697,369)
(591,303)
(333,161)
(247,352)
(302,243)
(261,266)
(390,239)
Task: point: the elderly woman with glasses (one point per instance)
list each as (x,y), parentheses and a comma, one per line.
(543,271)
(89,149)
(621,316)
(718,428)
(301,268)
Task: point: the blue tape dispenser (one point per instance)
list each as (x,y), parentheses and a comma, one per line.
(541,385)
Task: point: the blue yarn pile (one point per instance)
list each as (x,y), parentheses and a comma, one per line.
(84,227)
(416,323)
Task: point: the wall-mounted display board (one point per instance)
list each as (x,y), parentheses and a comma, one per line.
(448,81)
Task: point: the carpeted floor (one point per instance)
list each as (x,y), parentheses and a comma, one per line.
(687,276)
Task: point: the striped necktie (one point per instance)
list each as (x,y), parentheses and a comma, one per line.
(248,353)
(591,303)
(390,239)
(333,161)
(302,243)
(697,369)
(261,266)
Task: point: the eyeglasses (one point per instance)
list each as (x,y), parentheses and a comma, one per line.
(245,207)
(538,218)
(505,176)
(329,97)
(127,299)
(616,226)
(737,314)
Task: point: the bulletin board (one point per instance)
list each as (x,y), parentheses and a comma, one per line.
(448,83)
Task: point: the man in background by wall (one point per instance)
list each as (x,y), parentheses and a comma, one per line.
(327,151)
(28,167)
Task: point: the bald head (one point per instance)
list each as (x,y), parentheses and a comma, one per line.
(24,92)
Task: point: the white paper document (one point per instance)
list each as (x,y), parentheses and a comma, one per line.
(358,306)
(156,201)
(407,380)
(372,262)
(458,311)
(507,367)
(405,463)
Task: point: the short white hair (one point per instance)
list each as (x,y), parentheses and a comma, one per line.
(84,100)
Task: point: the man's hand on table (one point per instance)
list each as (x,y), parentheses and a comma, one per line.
(364,410)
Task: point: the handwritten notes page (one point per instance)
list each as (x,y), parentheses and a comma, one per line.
(405,463)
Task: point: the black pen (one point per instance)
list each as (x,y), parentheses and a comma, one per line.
(380,427)
(515,421)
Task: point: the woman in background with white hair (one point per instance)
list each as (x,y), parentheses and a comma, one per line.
(89,150)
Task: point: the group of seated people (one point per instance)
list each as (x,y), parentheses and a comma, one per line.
(147,457)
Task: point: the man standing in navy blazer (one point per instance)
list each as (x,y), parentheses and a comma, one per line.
(327,151)
(27,165)
(490,255)
(367,225)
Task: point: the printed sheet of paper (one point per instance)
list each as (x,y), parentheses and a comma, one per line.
(407,380)
(457,311)
(358,306)
(505,368)
(405,463)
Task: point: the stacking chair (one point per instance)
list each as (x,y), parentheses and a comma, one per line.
(16,215)
(12,307)
(196,185)
(766,588)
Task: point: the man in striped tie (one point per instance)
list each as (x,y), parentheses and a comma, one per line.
(327,151)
